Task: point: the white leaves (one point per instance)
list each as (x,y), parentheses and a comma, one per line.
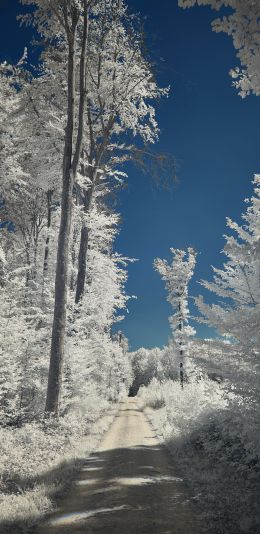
(238,283)
(23,58)
(177,276)
(243,25)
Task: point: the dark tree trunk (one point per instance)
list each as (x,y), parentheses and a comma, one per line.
(70,165)
(73,260)
(59,320)
(181,346)
(47,242)
(82,263)
(61,283)
(83,247)
(28,263)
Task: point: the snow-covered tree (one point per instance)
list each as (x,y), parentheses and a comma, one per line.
(109,87)
(93,353)
(240,20)
(121,90)
(67,22)
(237,314)
(31,161)
(177,276)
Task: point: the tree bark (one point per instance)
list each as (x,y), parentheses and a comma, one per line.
(47,242)
(181,345)
(82,258)
(70,166)
(61,282)
(83,247)
(28,263)
(82,265)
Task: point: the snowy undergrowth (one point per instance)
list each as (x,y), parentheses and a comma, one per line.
(37,461)
(215,441)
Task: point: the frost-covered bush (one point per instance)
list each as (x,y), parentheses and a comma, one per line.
(214,437)
(153,396)
(184,408)
(43,458)
(149,364)
(146,365)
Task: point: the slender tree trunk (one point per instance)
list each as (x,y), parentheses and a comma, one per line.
(35,256)
(73,260)
(84,236)
(28,263)
(47,242)
(70,166)
(61,282)
(73,248)
(59,319)
(83,247)
(82,259)
(181,346)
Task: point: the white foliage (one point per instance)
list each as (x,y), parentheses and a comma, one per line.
(238,284)
(241,20)
(177,275)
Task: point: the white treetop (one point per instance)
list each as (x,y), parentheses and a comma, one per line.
(241,20)
(177,276)
(238,283)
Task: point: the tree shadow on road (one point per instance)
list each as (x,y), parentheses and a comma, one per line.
(131,490)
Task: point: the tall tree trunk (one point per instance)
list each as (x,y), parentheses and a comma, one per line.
(35,255)
(84,237)
(28,263)
(73,260)
(180,326)
(61,282)
(70,166)
(83,247)
(47,242)
(74,244)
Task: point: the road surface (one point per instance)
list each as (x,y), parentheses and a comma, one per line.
(129,486)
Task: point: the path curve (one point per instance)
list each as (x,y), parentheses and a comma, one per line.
(129,486)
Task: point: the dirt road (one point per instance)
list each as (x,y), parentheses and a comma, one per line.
(128,486)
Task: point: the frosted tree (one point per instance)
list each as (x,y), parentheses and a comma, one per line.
(34,115)
(69,20)
(24,339)
(119,108)
(93,353)
(109,88)
(240,20)
(237,284)
(177,276)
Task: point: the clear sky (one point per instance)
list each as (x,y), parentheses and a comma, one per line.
(213,134)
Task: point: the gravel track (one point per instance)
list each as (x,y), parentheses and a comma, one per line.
(129,485)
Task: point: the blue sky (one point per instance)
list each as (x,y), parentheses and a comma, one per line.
(212,133)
